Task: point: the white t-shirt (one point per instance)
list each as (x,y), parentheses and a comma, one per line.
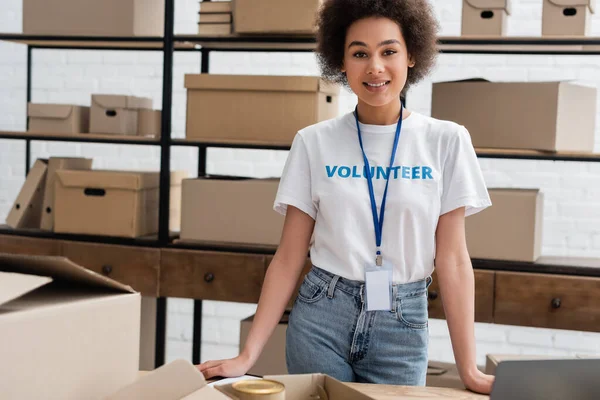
(435,171)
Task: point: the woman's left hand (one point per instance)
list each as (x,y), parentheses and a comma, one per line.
(479,382)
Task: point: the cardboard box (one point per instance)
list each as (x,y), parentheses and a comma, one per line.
(567,17)
(485,17)
(234,210)
(275,16)
(180,380)
(65,332)
(205,29)
(548,116)
(117,114)
(56,164)
(492,360)
(177,178)
(58,118)
(26,211)
(215,7)
(111,203)
(268,109)
(272,358)
(149,122)
(94,18)
(509,230)
(215,18)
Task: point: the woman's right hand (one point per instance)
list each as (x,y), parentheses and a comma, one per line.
(229,368)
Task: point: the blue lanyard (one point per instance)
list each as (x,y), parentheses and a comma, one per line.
(378,222)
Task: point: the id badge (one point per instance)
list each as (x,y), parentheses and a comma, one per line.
(378,287)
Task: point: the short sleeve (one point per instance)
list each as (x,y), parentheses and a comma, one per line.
(295,185)
(463,183)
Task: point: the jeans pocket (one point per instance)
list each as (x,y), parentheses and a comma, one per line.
(412,311)
(310,292)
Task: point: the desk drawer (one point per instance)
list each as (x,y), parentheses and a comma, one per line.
(208,275)
(24,245)
(548,301)
(484,297)
(137,267)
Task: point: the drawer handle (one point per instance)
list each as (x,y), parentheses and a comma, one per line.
(209,277)
(433,295)
(556,303)
(107,269)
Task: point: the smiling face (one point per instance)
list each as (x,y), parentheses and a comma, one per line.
(376,61)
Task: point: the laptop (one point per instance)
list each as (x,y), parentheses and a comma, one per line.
(576,379)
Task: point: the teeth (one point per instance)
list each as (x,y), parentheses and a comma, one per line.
(377,85)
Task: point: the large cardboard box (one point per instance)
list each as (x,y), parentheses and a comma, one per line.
(177,178)
(509,230)
(180,380)
(111,203)
(272,359)
(58,118)
(26,211)
(65,332)
(266,109)
(117,114)
(485,17)
(149,122)
(567,17)
(56,164)
(550,116)
(275,16)
(94,18)
(492,360)
(234,210)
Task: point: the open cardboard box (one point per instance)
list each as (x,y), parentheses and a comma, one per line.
(181,380)
(65,332)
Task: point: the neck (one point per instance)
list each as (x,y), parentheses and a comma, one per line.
(380,115)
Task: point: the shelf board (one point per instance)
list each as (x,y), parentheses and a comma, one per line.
(537,155)
(83,137)
(222,246)
(579,266)
(270,42)
(231,144)
(92,42)
(150,240)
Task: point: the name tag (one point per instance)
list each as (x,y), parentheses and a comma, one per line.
(378,288)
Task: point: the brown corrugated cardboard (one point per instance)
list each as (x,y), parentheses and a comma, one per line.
(272,359)
(207,29)
(550,116)
(147,333)
(214,18)
(177,178)
(65,332)
(149,122)
(269,109)
(116,114)
(485,17)
(230,211)
(492,360)
(509,230)
(215,7)
(275,16)
(112,203)
(26,211)
(567,17)
(94,18)
(58,118)
(55,164)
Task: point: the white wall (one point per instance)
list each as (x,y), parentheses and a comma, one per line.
(572,209)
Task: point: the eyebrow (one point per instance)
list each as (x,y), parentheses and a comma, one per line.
(384,43)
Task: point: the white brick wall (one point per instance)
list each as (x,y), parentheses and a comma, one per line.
(572,210)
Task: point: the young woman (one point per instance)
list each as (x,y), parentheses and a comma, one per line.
(361,312)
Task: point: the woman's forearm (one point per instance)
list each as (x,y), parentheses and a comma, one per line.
(457,287)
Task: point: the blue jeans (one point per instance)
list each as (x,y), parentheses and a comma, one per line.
(330,332)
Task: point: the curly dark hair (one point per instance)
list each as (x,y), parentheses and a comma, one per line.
(416,19)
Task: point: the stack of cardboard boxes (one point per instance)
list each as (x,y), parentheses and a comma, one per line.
(559,17)
(539,116)
(59,194)
(215,18)
(108,114)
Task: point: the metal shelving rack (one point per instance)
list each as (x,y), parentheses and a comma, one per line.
(169,43)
